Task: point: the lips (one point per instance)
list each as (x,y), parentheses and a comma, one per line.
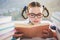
(36,21)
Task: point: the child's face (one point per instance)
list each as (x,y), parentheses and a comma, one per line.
(35,14)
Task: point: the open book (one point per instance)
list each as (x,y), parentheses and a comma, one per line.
(32,30)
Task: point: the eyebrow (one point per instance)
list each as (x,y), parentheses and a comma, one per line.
(34,13)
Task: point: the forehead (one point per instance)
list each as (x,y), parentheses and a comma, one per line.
(35,10)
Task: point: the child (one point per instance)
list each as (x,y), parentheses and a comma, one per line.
(34,13)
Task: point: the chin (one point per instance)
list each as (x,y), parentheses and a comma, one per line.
(36,22)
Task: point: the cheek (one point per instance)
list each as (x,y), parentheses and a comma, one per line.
(37,20)
(31,19)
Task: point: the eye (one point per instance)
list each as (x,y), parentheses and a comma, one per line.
(32,14)
(39,14)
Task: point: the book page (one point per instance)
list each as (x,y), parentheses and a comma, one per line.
(32,30)
(30,26)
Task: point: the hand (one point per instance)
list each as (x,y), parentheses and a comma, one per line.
(47,33)
(18,34)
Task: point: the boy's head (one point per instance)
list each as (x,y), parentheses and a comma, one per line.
(34,12)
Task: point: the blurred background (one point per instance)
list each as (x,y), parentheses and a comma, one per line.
(14,7)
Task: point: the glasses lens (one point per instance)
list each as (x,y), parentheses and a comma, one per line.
(33,15)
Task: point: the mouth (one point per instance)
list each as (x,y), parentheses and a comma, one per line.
(36,21)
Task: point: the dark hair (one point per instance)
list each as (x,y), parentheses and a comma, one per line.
(24,10)
(34,4)
(45,9)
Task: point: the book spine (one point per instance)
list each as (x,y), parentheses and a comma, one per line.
(6,25)
(5,19)
(6,30)
(8,34)
(56,19)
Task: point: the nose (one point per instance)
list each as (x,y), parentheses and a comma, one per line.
(36,17)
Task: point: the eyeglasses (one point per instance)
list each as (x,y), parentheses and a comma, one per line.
(33,15)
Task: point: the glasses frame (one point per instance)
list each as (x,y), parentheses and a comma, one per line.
(33,15)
